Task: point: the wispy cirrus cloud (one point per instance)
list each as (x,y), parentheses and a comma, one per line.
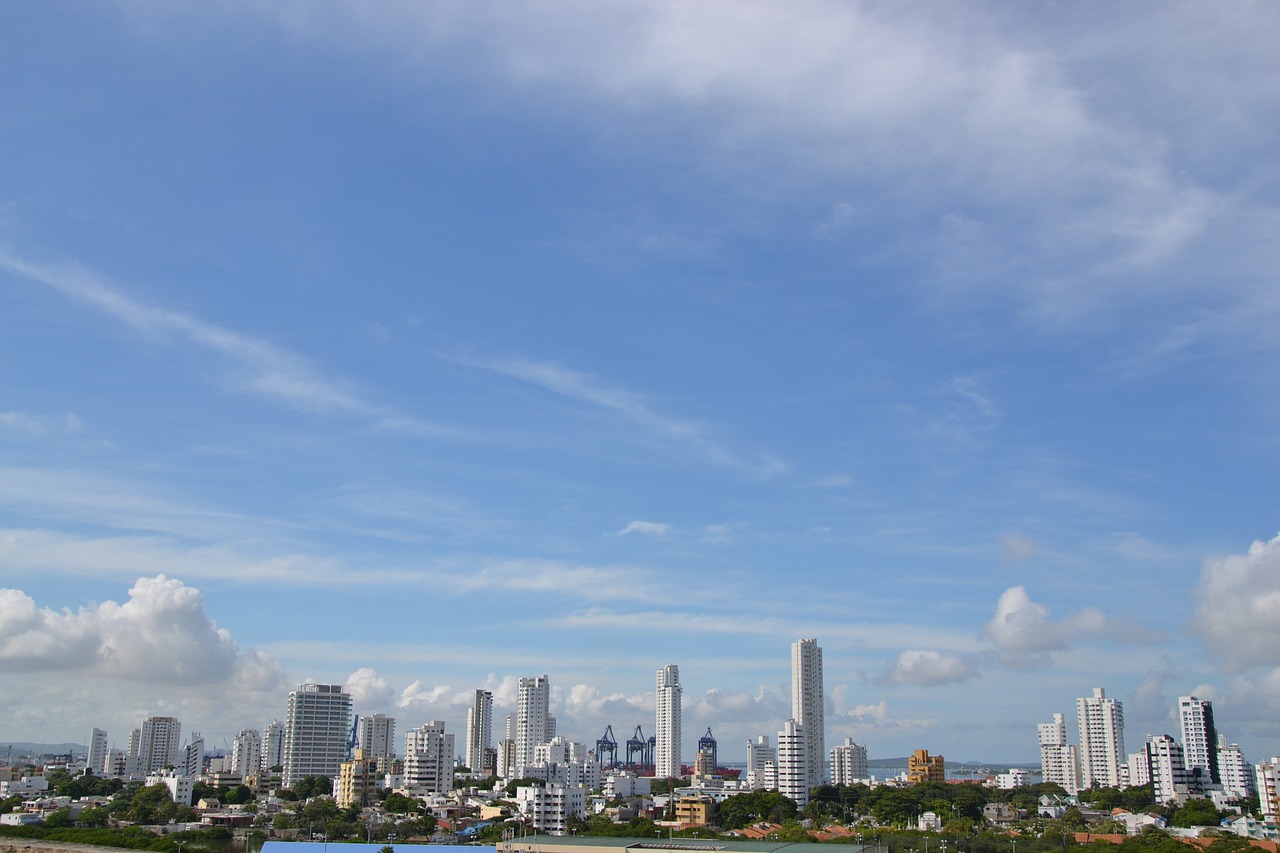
(631,406)
(265,368)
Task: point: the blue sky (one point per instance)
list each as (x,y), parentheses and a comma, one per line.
(420,347)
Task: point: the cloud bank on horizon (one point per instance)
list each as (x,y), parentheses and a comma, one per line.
(420,348)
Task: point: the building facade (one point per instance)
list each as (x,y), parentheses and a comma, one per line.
(273,745)
(923,767)
(428,758)
(848,763)
(808,705)
(1059,760)
(534,723)
(1199,742)
(793,763)
(666,748)
(378,738)
(246,753)
(479,732)
(759,756)
(156,744)
(1101,723)
(1168,769)
(96,760)
(316,729)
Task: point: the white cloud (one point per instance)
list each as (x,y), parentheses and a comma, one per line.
(586,388)
(1018,548)
(160,634)
(928,668)
(22,422)
(370,691)
(266,368)
(1023,626)
(646,528)
(1237,601)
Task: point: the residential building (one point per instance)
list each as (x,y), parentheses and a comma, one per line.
(428,758)
(357,780)
(923,767)
(479,731)
(808,703)
(155,744)
(849,763)
(551,807)
(666,748)
(1236,773)
(1266,775)
(377,737)
(316,729)
(1166,761)
(273,745)
(1059,760)
(1017,777)
(191,762)
(96,760)
(759,754)
(534,723)
(180,787)
(1137,769)
(1199,742)
(246,753)
(793,763)
(1101,722)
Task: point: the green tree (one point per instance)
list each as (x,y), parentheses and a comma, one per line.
(745,809)
(93,816)
(58,819)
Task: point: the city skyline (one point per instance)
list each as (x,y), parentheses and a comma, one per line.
(422,348)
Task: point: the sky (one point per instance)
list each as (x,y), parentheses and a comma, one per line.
(419,347)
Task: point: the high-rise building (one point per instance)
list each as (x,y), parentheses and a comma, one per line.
(96,760)
(192,760)
(273,745)
(848,763)
(1059,760)
(155,744)
(1167,765)
(316,728)
(793,763)
(246,753)
(1199,742)
(377,738)
(357,780)
(666,747)
(534,723)
(479,731)
(1101,722)
(1267,777)
(808,701)
(428,758)
(1237,774)
(759,756)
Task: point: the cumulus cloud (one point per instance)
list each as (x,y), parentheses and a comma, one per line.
(1023,626)
(646,528)
(369,690)
(419,697)
(928,668)
(1237,602)
(160,634)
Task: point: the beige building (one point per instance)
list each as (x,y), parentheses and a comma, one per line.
(356,780)
(923,767)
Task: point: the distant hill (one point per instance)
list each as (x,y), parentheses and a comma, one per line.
(24,748)
(972,765)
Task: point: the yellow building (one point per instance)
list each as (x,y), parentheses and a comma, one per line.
(356,780)
(923,767)
(695,811)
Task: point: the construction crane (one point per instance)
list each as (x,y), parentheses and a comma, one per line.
(354,739)
(607,744)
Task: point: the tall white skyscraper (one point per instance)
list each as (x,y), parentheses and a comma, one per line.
(428,758)
(192,757)
(273,745)
(479,730)
(377,736)
(1059,760)
(1237,774)
(316,728)
(793,763)
(666,746)
(1101,722)
(246,753)
(1167,767)
(156,743)
(808,701)
(534,723)
(96,760)
(1199,741)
